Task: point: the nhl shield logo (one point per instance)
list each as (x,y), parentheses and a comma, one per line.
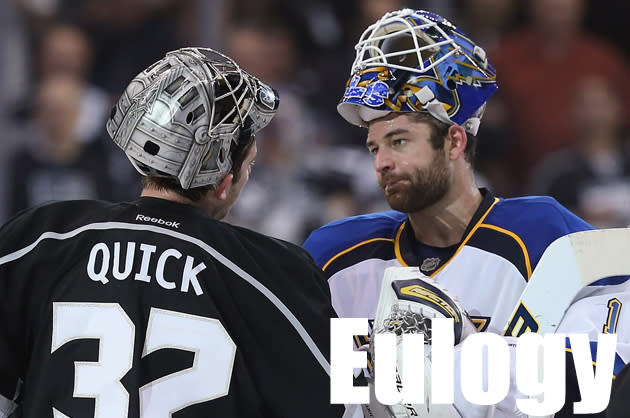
(267,97)
(430,264)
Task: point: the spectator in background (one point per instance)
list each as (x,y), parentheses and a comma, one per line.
(592,177)
(65,50)
(368,11)
(487,20)
(298,160)
(539,68)
(14,74)
(127,35)
(13,57)
(52,163)
(341,181)
(276,200)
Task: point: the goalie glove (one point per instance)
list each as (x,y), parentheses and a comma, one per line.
(408,302)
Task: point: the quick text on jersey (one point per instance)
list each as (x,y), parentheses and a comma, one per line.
(105,263)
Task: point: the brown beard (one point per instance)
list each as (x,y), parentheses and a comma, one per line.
(423,188)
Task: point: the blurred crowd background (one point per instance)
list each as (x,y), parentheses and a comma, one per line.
(557,126)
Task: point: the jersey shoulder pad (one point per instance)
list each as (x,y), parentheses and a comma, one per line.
(536,220)
(272,249)
(28,224)
(330,239)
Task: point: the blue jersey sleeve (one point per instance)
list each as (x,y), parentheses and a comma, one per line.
(331,239)
(537,220)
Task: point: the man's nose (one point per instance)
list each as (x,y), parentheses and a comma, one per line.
(383,161)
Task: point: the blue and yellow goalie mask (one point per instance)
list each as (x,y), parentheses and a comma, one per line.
(414,61)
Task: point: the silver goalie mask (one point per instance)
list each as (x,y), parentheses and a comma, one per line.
(183,116)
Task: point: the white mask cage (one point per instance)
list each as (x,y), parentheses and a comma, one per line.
(374,47)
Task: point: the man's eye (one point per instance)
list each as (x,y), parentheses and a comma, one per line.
(373,151)
(399,141)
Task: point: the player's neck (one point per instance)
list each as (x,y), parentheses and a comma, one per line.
(208,204)
(166,195)
(444,223)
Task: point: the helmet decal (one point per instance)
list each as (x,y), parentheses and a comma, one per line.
(413,61)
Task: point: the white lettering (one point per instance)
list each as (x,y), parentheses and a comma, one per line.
(529,372)
(159,221)
(490,373)
(131,248)
(387,389)
(190,275)
(91,267)
(413,349)
(98,266)
(147,250)
(485,368)
(343,360)
(159,271)
(595,390)
(442,359)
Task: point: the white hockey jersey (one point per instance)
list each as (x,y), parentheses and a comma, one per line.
(487,271)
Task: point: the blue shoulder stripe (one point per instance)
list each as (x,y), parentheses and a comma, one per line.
(326,242)
(537,221)
(611,281)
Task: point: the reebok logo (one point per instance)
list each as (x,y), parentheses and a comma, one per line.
(159,221)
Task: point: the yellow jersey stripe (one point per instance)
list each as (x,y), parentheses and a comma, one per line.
(399,256)
(336,256)
(520,242)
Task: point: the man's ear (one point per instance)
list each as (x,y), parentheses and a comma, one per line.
(222,190)
(457,141)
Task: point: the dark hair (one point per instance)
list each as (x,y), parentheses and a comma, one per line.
(238,154)
(439,132)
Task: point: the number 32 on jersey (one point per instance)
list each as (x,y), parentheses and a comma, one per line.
(208,378)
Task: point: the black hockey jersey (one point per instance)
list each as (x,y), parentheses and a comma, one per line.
(153,309)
